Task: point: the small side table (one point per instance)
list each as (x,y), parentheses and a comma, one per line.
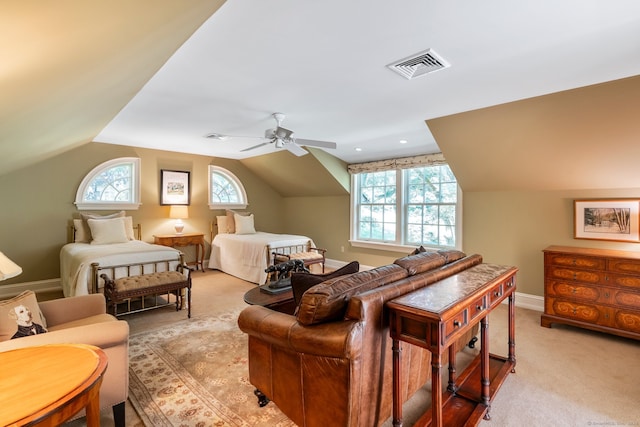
(186,239)
(47,385)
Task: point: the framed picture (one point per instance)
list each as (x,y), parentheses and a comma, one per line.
(174,187)
(609,219)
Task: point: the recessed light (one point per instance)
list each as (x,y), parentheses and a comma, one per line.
(358,149)
(403,141)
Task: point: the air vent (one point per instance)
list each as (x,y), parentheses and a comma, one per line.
(419,64)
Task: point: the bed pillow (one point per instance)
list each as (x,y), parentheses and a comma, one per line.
(223,224)
(107,231)
(244,224)
(83,232)
(20,316)
(231,222)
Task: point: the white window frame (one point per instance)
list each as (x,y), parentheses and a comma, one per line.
(244,202)
(401,211)
(134,201)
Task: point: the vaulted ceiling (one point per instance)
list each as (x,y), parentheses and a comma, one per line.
(162,74)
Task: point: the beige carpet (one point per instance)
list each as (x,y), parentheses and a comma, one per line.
(565,376)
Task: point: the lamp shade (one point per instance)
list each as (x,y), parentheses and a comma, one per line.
(8,268)
(179,212)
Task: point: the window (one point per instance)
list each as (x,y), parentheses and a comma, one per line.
(225,190)
(400,207)
(114,184)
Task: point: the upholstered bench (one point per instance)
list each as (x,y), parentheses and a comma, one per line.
(144,285)
(312,256)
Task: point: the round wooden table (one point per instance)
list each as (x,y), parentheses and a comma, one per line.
(47,385)
(282,301)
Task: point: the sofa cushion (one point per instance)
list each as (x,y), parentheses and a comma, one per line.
(302,281)
(20,316)
(420,262)
(91,320)
(451,255)
(328,300)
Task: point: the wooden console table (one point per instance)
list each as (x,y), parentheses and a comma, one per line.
(186,239)
(47,385)
(434,317)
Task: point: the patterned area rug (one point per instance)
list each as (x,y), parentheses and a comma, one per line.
(195,373)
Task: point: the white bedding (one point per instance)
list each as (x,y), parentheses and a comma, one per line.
(76,259)
(245,255)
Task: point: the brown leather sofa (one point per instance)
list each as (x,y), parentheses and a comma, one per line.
(330,364)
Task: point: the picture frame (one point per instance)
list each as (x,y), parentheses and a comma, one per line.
(615,220)
(175,187)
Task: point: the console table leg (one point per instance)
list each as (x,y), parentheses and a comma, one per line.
(436,389)
(451,387)
(397,395)
(484,365)
(512,331)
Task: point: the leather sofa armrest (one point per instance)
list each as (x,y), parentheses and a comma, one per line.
(64,310)
(332,339)
(103,335)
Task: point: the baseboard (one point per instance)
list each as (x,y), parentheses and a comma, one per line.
(531,302)
(11,290)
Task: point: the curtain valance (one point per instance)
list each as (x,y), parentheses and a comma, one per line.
(401,163)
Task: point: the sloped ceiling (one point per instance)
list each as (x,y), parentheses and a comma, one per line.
(586,138)
(68,67)
(307,176)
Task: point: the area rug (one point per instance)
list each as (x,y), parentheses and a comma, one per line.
(195,373)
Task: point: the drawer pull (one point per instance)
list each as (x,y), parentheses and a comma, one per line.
(606,294)
(574,290)
(497,293)
(456,323)
(574,276)
(479,307)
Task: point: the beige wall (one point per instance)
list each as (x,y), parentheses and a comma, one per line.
(514,227)
(37,202)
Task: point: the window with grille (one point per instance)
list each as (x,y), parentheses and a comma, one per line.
(114,184)
(406,207)
(225,190)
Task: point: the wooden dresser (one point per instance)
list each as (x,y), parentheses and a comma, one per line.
(597,289)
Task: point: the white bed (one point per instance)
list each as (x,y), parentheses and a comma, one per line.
(111,245)
(76,272)
(247,255)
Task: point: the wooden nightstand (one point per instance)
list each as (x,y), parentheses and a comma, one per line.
(185,239)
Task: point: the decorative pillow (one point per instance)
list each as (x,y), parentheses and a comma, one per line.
(244,224)
(85,232)
(223,224)
(231,222)
(301,282)
(20,316)
(128,228)
(327,301)
(418,250)
(106,231)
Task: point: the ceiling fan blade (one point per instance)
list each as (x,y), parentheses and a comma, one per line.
(222,137)
(257,146)
(295,149)
(313,143)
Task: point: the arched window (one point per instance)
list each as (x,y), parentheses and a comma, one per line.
(225,190)
(114,184)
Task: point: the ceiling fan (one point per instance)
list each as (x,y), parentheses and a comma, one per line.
(280,137)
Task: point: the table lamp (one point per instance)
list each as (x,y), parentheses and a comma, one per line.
(8,268)
(179,212)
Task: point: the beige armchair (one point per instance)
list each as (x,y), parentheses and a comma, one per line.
(83,319)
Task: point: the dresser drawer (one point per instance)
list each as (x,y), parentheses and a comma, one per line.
(478,307)
(586,276)
(571,260)
(628,266)
(571,290)
(624,280)
(627,299)
(574,310)
(628,320)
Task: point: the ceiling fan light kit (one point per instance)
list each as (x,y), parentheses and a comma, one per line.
(280,137)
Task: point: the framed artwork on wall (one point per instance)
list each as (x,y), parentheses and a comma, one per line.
(174,187)
(615,220)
